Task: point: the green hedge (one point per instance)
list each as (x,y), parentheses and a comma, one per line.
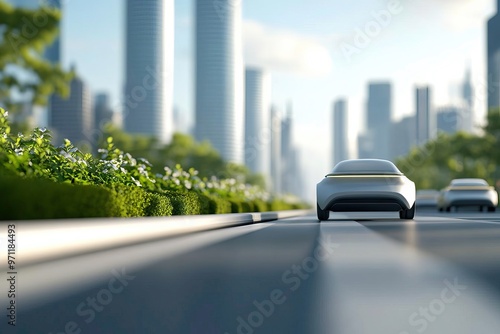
(42,199)
(25,198)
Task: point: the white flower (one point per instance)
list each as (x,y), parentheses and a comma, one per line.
(6,114)
(18,151)
(67,156)
(137,183)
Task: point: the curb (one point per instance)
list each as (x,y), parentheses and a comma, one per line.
(39,241)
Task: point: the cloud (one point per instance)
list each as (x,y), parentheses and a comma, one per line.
(284,51)
(457,14)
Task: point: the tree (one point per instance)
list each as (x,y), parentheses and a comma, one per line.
(182,150)
(24,35)
(460,155)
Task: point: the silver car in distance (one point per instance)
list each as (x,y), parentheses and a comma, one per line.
(365,185)
(468,192)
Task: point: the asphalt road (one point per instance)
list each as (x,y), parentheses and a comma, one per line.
(357,273)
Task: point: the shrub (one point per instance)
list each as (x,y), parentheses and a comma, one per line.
(219,205)
(159,205)
(43,199)
(184,203)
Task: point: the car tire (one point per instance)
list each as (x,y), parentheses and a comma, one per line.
(322,214)
(491,209)
(407,214)
(448,209)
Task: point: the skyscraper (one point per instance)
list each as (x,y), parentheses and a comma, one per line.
(449,119)
(468,110)
(103,113)
(149,67)
(340,130)
(275,151)
(378,126)
(53,52)
(219,80)
(257,120)
(493,55)
(287,159)
(425,122)
(405,133)
(72,118)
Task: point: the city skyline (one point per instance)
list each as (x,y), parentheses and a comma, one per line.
(303,26)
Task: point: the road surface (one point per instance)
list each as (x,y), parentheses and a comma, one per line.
(356,273)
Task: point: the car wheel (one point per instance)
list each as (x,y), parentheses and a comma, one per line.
(491,209)
(322,214)
(448,209)
(440,209)
(407,214)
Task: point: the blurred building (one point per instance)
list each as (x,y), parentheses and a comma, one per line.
(149,66)
(376,139)
(468,110)
(493,58)
(103,113)
(403,136)
(425,118)
(219,110)
(365,146)
(286,151)
(180,122)
(72,118)
(449,119)
(257,121)
(275,156)
(340,130)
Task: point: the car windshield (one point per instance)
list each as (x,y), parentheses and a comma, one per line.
(365,166)
(468,183)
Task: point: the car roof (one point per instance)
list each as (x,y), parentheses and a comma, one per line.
(468,182)
(365,166)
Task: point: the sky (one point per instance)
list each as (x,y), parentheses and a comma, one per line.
(316,51)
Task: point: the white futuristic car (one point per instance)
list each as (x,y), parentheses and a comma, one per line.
(468,192)
(365,185)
